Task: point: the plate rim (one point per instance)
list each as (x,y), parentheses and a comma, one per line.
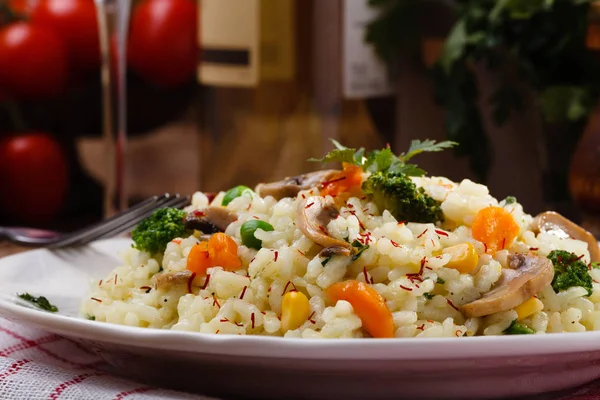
(279,347)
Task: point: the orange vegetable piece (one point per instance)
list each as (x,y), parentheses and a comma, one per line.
(221,242)
(220,250)
(198,259)
(223,252)
(368,305)
(348,180)
(495,227)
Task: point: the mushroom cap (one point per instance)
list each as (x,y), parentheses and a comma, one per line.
(290,187)
(313,215)
(166,279)
(528,275)
(210,219)
(555,224)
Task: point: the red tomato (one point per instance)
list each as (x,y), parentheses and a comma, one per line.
(75,22)
(162,42)
(33,177)
(33,61)
(22,6)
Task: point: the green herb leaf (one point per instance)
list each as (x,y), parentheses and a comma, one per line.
(360,248)
(569,271)
(40,302)
(90,317)
(454,46)
(399,167)
(440,281)
(566,103)
(510,200)
(428,145)
(428,296)
(342,154)
(595,265)
(326,260)
(516,328)
(380,160)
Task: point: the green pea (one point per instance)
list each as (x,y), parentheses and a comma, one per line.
(247,232)
(235,192)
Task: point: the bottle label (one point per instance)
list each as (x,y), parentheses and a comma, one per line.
(364,74)
(229,42)
(277,40)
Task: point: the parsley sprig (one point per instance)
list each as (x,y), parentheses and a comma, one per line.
(39,302)
(384,160)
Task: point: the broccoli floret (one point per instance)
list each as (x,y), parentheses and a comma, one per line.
(398,194)
(569,271)
(155,232)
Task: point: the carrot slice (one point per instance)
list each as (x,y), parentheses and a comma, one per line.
(223,252)
(368,305)
(227,261)
(495,227)
(198,259)
(348,180)
(219,251)
(221,242)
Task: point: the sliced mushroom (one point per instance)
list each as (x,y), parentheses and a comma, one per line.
(527,276)
(555,224)
(166,280)
(290,187)
(210,220)
(314,214)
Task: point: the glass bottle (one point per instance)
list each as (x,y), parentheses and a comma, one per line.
(278,81)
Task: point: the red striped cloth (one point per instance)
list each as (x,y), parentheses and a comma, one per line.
(39,365)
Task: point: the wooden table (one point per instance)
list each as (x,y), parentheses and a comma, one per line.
(7,248)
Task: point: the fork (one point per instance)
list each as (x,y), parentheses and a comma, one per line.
(112,226)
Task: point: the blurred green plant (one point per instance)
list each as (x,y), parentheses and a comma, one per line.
(544,39)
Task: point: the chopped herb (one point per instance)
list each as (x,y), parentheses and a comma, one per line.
(595,265)
(510,200)
(440,281)
(428,296)
(384,160)
(569,271)
(359,249)
(40,302)
(342,154)
(325,261)
(516,328)
(90,317)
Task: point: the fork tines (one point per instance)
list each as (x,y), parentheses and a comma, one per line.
(121,222)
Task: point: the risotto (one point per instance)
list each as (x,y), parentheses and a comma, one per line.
(322,256)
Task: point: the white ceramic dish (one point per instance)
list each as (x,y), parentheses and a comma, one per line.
(262,367)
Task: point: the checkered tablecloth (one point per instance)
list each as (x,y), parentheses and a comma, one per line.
(40,365)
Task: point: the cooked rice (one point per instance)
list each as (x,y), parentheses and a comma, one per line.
(127,296)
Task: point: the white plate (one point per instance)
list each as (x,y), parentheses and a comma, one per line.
(263,367)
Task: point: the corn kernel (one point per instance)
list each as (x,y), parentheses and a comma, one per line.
(294,310)
(528,308)
(464,257)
